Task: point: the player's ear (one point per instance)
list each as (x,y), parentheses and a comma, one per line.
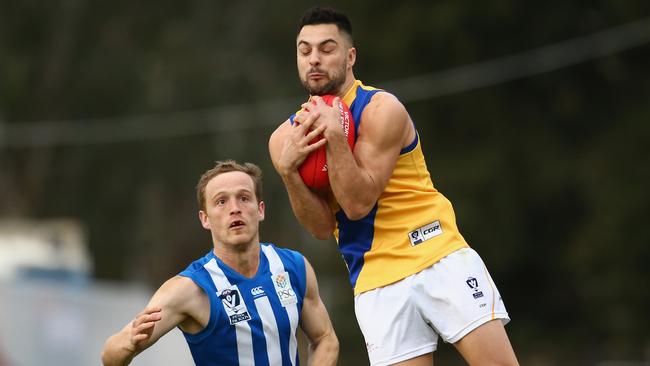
(203,217)
(352,56)
(260,210)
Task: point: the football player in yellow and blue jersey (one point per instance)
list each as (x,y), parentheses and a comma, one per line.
(408,263)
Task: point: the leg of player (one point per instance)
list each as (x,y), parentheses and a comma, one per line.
(487,345)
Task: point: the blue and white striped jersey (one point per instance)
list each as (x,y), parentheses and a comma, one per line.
(253,321)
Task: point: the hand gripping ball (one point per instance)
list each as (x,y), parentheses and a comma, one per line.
(314,169)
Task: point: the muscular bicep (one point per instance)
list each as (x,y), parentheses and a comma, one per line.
(180,301)
(385,129)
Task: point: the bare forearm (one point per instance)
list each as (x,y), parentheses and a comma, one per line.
(325,352)
(352,186)
(116,351)
(312,212)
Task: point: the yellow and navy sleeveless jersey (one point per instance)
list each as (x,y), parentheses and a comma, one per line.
(411,226)
(253,321)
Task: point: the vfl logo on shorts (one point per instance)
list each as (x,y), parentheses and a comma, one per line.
(235,307)
(473,284)
(425,233)
(283,289)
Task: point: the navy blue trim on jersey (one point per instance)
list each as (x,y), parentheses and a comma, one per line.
(411,146)
(359,104)
(355,239)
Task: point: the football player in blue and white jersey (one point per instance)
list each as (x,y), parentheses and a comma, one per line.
(242,302)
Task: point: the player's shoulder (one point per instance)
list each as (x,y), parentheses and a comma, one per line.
(185,296)
(384,100)
(281,251)
(178,294)
(276,140)
(181,285)
(197,265)
(282,126)
(386,112)
(287,255)
(280,132)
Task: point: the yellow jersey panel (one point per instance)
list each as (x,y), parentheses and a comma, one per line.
(411,227)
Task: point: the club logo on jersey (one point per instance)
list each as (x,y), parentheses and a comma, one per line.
(473,284)
(257,292)
(235,307)
(283,289)
(281,280)
(425,233)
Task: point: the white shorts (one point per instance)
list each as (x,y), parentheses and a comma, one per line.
(451,298)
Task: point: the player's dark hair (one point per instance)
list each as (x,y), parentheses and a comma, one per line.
(229,166)
(326,15)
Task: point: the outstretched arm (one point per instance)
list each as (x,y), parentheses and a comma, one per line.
(315,322)
(169,307)
(121,348)
(289,147)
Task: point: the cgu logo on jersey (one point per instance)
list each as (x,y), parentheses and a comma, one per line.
(473,284)
(257,292)
(283,289)
(235,307)
(425,233)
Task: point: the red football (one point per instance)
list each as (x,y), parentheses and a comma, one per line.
(314,169)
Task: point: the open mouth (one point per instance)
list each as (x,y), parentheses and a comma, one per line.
(236,224)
